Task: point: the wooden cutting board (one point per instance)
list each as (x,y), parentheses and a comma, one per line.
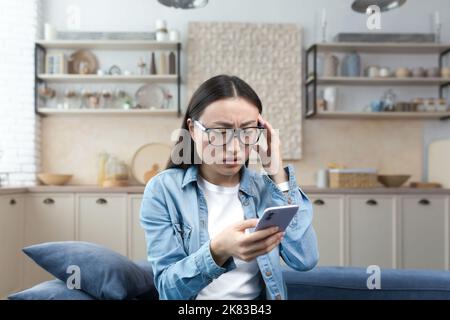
(439,162)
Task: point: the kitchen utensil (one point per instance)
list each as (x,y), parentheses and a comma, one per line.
(425,185)
(441,105)
(351,65)
(330,96)
(385,72)
(372,71)
(322,178)
(116,173)
(418,72)
(174,35)
(402,73)
(393,180)
(49,32)
(172,63)
(150,96)
(83,62)
(54,179)
(152,156)
(445,72)
(389,100)
(115,70)
(433,72)
(331,64)
(376,106)
(439,162)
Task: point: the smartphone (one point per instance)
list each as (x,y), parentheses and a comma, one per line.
(277,216)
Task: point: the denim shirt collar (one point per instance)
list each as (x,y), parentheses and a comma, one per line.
(245,185)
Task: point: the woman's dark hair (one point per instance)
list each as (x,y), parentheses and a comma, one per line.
(215,89)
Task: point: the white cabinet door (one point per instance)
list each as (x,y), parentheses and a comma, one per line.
(424,235)
(102,219)
(11,242)
(328,222)
(48,218)
(372,231)
(138,247)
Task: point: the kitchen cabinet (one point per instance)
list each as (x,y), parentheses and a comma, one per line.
(328,223)
(11,239)
(138,247)
(425,232)
(48,218)
(371,231)
(386,229)
(102,219)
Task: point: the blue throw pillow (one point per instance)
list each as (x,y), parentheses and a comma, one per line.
(103,273)
(152,293)
(51,290)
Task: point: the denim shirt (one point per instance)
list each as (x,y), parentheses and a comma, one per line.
(174,216)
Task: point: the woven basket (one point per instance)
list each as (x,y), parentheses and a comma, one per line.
(347,178)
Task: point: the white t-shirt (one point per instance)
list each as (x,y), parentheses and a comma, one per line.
(224,209)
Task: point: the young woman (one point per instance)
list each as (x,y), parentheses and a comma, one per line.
(198,214)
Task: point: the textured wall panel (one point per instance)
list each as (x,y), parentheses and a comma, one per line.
(267,56)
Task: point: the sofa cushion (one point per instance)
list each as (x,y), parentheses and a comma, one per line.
(51,290)
(104,273)
(351,283)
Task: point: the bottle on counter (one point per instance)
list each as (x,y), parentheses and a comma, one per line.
(102,159)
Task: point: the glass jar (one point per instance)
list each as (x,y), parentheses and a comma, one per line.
(71,99)
(441,105)
(102,160)
(116,170)
(430,105)
(107,99)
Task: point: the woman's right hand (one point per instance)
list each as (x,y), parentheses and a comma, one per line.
(234,242)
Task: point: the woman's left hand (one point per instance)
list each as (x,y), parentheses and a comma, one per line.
(271,156)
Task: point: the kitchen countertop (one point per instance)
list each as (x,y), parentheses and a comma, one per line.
(140,190)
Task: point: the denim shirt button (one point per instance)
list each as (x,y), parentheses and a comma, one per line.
(268,273)
(278,297)
(289,200)
(245,203)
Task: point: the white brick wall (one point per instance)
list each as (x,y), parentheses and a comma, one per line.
(20,25)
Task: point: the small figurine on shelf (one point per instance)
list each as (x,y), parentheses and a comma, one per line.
(142,66)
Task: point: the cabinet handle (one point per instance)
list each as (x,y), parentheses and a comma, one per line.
(424,202)
(371,202)
(49,201)
(101,201)
(12,202)
(319,202)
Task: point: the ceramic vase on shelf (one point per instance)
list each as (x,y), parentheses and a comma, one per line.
(330,68)
(351,65)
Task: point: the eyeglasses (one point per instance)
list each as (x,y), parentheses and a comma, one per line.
(219,137)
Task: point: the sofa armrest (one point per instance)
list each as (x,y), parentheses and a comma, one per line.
(342,283)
